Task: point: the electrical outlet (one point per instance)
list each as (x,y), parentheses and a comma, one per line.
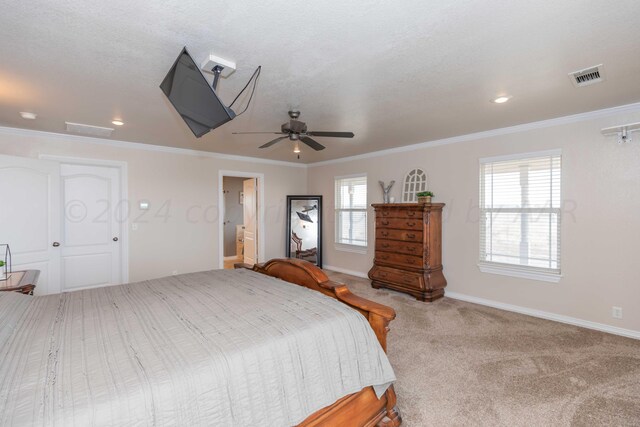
(134,226)
(616,312)
(174,272)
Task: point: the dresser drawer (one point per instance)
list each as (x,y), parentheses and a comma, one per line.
(399,223)
(398,213)
(392,275)
(401,260)
(403,235)
(395,246)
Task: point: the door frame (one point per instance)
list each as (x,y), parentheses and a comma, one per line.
(124,194)
(221,208)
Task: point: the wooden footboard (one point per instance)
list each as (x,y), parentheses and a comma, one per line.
(358,409)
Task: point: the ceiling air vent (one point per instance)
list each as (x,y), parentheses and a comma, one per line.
(88,129)
(588,76)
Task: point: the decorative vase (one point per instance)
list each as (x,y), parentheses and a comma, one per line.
(424,199)
(385,191)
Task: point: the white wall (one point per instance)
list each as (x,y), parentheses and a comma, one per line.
(180,231)
(600,230)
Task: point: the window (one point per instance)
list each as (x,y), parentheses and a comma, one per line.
(520,215)
(351,210)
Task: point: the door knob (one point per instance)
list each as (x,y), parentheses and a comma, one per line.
(115,239)
(56,244)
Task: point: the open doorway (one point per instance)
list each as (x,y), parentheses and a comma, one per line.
(241,212)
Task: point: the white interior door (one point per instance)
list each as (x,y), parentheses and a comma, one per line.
(250,209)
(90,246)
(30,217)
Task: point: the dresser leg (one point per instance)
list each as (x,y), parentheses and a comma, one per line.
(430,296)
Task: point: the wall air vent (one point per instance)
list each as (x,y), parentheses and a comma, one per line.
(88,130)
(588,76)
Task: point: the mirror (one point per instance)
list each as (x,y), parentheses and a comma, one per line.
(415,181)
(304,228)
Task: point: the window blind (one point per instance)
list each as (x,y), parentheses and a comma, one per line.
(520,211)
(351,210)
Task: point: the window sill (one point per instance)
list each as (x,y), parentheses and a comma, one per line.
(521,272)
(351,248)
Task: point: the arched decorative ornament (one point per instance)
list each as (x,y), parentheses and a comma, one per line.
(415,181)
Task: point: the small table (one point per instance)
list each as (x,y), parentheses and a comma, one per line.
(21,281)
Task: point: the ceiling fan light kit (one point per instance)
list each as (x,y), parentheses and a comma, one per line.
(296,130)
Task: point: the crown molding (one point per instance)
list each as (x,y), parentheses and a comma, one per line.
(146,147)
(574,118)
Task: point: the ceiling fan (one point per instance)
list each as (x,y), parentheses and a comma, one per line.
(295,130)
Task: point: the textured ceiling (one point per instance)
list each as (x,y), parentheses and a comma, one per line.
(395,73)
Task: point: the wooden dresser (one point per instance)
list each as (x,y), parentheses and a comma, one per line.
(408,255)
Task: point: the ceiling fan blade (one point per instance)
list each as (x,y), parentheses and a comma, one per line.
(311,143)
(332,134)
(270,143)
(249,133)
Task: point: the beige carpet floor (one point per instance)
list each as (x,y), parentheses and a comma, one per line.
(462,364)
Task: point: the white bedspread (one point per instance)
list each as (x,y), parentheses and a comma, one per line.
(217,348)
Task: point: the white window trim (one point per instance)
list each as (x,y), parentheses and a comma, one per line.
(356,249)
(518,271)
(512,270)
(346,247)
(520,156)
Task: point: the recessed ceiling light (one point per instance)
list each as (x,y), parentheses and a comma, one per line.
(28,116)
(501,99)
(117,122)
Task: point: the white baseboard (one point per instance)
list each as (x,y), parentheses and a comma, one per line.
(629,333)
(546,315)
(345,271)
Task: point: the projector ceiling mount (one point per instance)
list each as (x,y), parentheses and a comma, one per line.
(295,130)
(219,67)
(623,132)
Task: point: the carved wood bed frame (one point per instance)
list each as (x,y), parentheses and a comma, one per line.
(358,409)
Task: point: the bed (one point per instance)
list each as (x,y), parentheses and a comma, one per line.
(211,348)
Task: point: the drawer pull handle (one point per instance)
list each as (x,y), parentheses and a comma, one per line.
(411,213)
(384,233)
(411,249)
(384,222)
(411,236)
(385,245)
(411,261)
(384,256)
(411,224)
